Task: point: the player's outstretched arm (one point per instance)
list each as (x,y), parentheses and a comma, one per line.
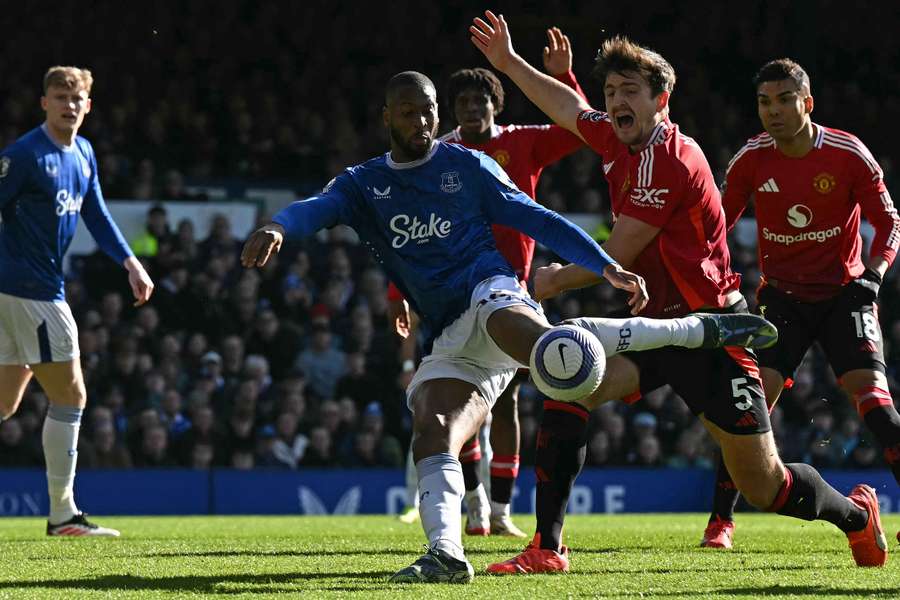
(140,282)
(555,279)
(261,244)
(559,102)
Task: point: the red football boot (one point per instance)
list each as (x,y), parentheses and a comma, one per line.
(719,534)
(533,559)
(868,545)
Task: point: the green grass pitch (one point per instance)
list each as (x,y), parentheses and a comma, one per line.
(621,556)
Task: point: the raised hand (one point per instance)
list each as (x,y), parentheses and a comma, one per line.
(261,244)
(630,282)
(557,52)
(492,38)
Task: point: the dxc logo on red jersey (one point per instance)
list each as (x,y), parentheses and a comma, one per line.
(648,197)
(413,229)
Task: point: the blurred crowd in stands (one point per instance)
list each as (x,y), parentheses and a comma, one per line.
(295,365)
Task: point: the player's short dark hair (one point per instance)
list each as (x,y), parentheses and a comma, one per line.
(782,68)
(620,55)
(405,79)
(480,79)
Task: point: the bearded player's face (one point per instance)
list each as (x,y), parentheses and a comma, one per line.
(632,107)
(411,117)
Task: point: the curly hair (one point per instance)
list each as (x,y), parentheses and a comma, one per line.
(480,79)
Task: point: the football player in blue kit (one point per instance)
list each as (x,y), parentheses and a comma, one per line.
(425,211)
(47,178)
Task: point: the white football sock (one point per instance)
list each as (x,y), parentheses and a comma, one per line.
(499,510)
(60,441)
(639,333)
(412,490)
(441,488)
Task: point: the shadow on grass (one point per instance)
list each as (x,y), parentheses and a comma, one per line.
(814,591)
(256,583)
(690,569)
(301,553)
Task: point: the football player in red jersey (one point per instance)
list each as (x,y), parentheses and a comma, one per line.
(669,227)
(477,98)
(810,184)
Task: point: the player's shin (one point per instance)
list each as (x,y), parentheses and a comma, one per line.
(560,454)
(805,495)
(441,489)
(638,333)
(60,441)
(876,407)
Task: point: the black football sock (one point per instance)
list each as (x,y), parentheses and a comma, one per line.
(470,457)
(561,450)
(805,495)
(884,422)
(725,495)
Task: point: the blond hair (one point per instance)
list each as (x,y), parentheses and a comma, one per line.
(71,78)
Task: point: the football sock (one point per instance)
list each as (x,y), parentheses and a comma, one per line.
(561,450)
(470,457)
(637,333)
(876,408)
(504,470)
(805,495)
(60,441)
(725,496)
(441,490)
(412,480)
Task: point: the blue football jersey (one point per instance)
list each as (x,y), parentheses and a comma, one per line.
(44,186)
(428,223)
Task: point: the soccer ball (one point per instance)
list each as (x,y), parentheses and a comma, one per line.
(567,363)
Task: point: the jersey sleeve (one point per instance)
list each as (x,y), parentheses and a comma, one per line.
(331,207)
(14,168)
(737,187)
(97,218)
(875,201)
(596,129)
(658,190)
(506,204)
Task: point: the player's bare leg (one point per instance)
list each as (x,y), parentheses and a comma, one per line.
(63,383)
(505,460)
(719,531)
(446,413)
(797,490)
(13,380)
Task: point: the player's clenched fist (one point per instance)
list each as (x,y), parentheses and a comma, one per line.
(261,244)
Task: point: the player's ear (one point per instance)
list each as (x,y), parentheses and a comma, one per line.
(385,116)
(662,101)
(808,103)
(44,103)
(87,107)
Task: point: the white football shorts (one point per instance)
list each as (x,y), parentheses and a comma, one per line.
(34,331)
(466,351)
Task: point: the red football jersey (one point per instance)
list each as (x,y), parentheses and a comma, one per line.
(668,185)
(808,210)
(523,151)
